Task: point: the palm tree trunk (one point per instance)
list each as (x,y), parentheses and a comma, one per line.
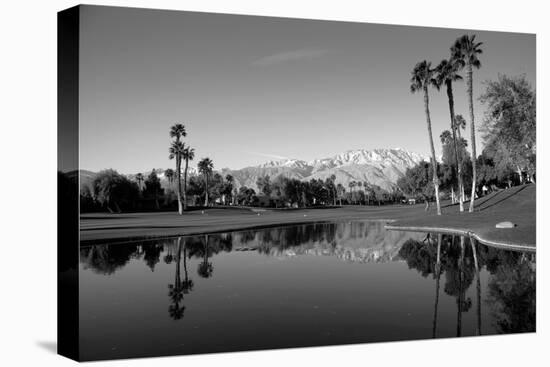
(458,163)
(178,175)
(434,161)
(472,132)
(206,191)
(185,184)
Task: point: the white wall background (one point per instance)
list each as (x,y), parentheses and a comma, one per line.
(28,164)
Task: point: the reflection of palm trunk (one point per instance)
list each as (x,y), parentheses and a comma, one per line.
(437,277)
(478,286)
(460,288)
(205,260)
(177,282)
(185,264)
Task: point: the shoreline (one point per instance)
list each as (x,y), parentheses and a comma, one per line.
(517,205)
(466,233)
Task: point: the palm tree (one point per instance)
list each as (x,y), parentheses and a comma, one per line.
(188,155)
(230,180)
(333,181)
(460,124)
(139,179)
(169,173)
(422,78)
(351,186)
(176,151)
(177,131)
(447,73)
(340,190)
(359,185)
(367,189)
(205,167)
(466,51)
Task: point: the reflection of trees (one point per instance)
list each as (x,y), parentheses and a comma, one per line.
(437,278)
(179,288)
(511,289)
(106,259)
(512,293)
(206,246)
(151,255)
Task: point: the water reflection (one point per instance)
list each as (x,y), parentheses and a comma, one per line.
(462,287)
(511,288)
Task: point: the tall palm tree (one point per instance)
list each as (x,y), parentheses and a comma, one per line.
(176,151)
(230,180)
(333,181)
(359,185)
(188,155)
(422,78)
(466,50)
(460,124)
(178,131)
(139,179)
(340,190)
(447,73)
(205,167)
(169,174)
(351,186)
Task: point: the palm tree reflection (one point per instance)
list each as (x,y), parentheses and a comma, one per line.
(437,277)
(205,268)
(511,288)
(176,290)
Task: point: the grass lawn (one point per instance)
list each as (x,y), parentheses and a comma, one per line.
(516,205)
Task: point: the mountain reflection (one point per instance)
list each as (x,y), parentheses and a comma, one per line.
(453,262)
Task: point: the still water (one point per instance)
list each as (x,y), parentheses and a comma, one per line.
(297,286)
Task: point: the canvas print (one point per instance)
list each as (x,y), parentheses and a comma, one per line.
(232,183)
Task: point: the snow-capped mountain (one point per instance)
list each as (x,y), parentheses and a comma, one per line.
(382,167)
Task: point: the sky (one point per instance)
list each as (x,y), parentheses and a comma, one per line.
(251,89)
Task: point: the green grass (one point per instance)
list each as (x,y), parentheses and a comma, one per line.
(516,205)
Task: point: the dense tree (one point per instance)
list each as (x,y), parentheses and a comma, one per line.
(264,185)
(153,188)
(416,181)
(422,78)
(510,123)
(465,51)
(246,196)
(114,190)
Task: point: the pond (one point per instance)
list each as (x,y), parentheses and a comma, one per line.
(297,286)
